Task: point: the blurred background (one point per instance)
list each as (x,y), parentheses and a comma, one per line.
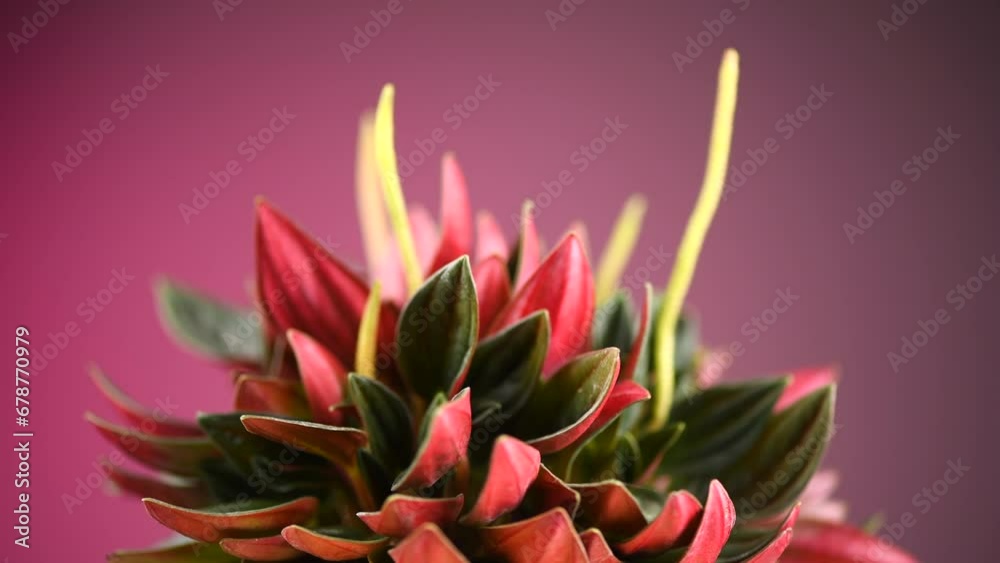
(842,99)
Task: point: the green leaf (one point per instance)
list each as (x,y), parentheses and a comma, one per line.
(247,452)
(184,553)
(377,479)
(386,420)
(594,462)
(210,327)
(437,331)
(773,473)
(506,367)
(721,424)
(747,541)
(614,324)
(561,408)
(654,445)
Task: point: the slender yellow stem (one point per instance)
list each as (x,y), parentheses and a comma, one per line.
(620,246)
(371,209)
(694,237)
(385,157)
(365,355)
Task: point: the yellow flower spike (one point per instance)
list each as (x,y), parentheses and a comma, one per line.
(694,236)
(616,254)
(364,356)
(374,224)
(385,158)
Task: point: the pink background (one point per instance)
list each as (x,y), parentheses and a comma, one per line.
(782,229)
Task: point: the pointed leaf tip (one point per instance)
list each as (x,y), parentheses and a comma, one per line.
(323,376)
(213,526)
(401,514)
(427,543)
(443,445)
(717,523)
(456,215)
(563,285)
(301,286)
(513,468)
(438,330)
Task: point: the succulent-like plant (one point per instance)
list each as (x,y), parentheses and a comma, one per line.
(503,408)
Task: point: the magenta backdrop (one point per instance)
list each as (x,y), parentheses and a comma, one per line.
(67,234)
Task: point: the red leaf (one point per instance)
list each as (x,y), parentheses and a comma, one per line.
(610,506)
(323,376)
(546,537)
(492,289)
(589,379)
(839,543)
(213,526)
(428,543)
(444,445)
(628,370)
(154,422)
(425,234)
(332,548)
(773,551)
(529,248)
(549,491)
(805,381)
(717,523)
(335,443)
(489,237)
(270,395)
(302,286)
(624,395)
(513,467)
(271,548)
(401,515)
(677,521)
(456,216)
(564,286)
(597,547)
(180,492)
(180,456)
